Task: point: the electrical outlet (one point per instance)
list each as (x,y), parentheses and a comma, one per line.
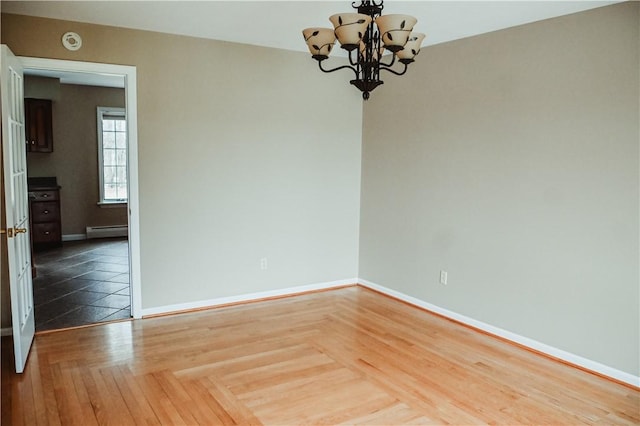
(443,277)
(264,264)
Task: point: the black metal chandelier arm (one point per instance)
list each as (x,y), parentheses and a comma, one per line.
(338,68)
(392,71)
(351,61)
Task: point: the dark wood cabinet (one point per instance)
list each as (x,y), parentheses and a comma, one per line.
(38,127)
(46,229)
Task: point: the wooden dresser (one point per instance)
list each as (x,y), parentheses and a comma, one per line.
(44,204)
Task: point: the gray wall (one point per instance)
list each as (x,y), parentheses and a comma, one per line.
(244,153)
(510,160)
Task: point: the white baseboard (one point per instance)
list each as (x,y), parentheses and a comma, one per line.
(6,331)
(211,303)
(108,231)
(74,237)
(568,357)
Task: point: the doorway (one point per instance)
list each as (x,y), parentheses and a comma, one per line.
(98,279)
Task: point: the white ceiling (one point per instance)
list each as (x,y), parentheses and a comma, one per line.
(81,78)
(278,24)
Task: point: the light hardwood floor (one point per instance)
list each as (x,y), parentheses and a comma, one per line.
(342,356)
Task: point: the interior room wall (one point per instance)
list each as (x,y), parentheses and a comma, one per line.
(244,154)
(510,160)
(74,160)
(42,87)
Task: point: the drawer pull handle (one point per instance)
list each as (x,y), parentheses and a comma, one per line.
(46,212)
(45,195)
(46,232)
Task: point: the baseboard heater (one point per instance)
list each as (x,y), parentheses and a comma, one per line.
(107,231)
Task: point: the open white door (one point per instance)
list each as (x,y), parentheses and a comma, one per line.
(14,159)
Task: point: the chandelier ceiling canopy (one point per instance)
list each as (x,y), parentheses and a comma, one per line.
(366,35)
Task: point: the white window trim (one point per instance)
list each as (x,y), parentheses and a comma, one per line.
(112,204)
(102,111)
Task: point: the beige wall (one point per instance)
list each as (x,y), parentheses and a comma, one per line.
(510,160)
(74,160)
(243,154)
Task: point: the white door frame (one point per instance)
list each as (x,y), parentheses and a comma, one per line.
(131,104)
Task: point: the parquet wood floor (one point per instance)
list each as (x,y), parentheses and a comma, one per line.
(343,356)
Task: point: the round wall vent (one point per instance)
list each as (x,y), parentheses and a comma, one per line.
(72,41)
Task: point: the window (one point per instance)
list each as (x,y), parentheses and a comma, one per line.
(112,155)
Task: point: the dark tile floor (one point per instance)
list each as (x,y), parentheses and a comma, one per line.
(83,282)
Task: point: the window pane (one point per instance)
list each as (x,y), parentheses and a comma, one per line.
(121,175)
(121,125)
(108,140)
(121,140)
(108,125)
(109,175)
(109,157)
(122,191)
(110,192)
(121,157)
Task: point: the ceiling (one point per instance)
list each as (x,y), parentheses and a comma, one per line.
(278,24)
(80,78)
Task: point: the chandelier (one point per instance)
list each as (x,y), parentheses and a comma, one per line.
(366,43)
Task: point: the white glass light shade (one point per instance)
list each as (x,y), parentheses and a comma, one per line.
(395,30)
(412,48)
(320,41)
(350,28)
